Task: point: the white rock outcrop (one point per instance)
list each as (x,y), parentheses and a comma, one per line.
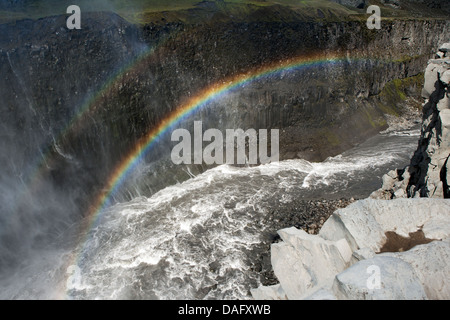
(364,223)
(336,263)
(431,265)
(306,257)
(397,281)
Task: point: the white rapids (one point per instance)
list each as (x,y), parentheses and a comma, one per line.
(196,239)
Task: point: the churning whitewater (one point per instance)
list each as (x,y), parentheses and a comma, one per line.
(197,239)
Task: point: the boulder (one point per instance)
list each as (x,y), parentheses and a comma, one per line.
(400,193)
(445,77)
(269,293)
(382,194)
(431,265)
(304,262)
(300,240)
(440,55)
(364,223)
(379,278)
(389,180)
(431,77)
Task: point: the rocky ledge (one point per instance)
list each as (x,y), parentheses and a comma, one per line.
(373,249)
(385,247)
(428,174)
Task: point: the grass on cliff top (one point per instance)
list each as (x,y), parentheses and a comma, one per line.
(194,11)
(197,11)
(248,11)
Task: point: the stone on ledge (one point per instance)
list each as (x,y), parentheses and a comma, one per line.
(364,223)
(275,292)
(397,281)
(431,77)
(362,254)
(305,262)
(431,264)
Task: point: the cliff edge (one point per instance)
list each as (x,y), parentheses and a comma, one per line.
(428,174)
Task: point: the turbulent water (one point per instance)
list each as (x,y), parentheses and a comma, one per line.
(197,239)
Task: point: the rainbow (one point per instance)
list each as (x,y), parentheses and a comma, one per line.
(192,105)
(186,109)
(87,108)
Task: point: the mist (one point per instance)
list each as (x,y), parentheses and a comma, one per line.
(46,181)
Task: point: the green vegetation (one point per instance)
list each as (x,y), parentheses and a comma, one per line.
(248,11)
(145,11)
(407,59)
(375,120)
(396,91)
(330,137)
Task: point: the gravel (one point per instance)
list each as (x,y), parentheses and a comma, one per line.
(308,215)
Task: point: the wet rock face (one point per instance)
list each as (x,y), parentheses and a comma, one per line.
(428,173)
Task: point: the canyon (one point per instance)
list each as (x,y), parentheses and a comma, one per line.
(76,103)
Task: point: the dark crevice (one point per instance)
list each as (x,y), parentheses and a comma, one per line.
(443,176)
